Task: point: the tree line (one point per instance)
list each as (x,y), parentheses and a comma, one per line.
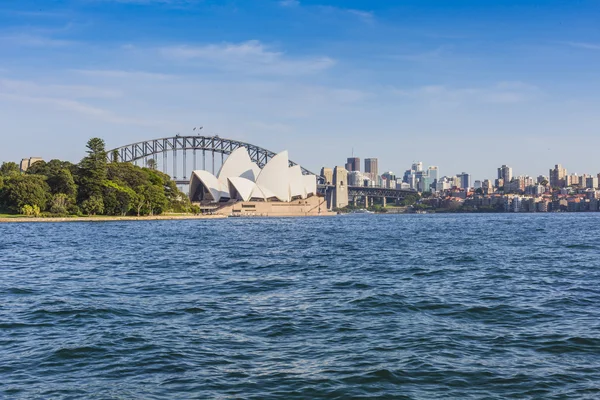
(92,187)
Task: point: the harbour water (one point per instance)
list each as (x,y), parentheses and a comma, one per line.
(366,306)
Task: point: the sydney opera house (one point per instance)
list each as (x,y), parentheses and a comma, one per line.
(242,188)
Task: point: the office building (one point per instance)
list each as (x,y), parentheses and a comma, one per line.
(558,176)
(505,173)
(371,169)
(353,164)
(464,180)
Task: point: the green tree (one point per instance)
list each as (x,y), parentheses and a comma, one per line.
(9,168)
(93,170)
(151,163)
(60,204)
(21,190)
(118,199)
(30,211)
(156,201)
(93,205)
(62,181)
(410,199)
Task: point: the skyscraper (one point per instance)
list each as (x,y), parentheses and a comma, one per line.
(417,167)
(371,168)
(557,176)
(465,180)
(505,173)
(434,174)
(353,164)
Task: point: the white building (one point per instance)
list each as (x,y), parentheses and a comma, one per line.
(241,179)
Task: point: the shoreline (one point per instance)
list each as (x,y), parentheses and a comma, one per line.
(108,218)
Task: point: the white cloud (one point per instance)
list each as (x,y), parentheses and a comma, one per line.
(34,41)
(123,74)
(500,93)
(581,45)
(365,16)
(22,87)
(251,57)
(289,3)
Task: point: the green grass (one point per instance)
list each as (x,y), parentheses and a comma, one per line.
(11,215)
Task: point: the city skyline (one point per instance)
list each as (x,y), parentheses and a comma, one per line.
(466,85)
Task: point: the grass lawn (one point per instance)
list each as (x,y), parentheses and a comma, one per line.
(10,215)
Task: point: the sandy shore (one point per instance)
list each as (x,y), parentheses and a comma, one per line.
(104,219)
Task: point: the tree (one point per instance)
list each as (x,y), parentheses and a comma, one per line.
(21,190)
(410,199)
(151,163)
(479,191)
(93,169)
(9,168)
(156,201)
(60,204)
(62,181)
(93,205)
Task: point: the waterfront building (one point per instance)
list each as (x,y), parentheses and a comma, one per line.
(353,164)
(591,182)
(505,173)
(417,167)
(241,179)
(371,168)
(557,176)
(477,185)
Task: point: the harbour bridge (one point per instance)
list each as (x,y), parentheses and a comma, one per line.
(179,155)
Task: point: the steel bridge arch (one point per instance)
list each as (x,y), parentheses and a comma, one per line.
(150,148)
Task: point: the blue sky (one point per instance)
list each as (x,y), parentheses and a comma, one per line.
(464,85)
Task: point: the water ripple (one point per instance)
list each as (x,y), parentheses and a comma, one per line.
(379,307)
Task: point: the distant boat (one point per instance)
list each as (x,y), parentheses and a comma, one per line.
(362,211)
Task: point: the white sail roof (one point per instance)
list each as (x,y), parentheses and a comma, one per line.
(215,189)
(275,178)
(240,178)
(238,163)
(243,187)
(296,182)
(310,184)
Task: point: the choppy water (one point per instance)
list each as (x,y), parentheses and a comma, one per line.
(415,307)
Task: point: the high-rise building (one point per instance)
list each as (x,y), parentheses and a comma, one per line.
(417,167)
(487,187)
(434,174)
(557,176)
(505,172)
(371,168)
(355,178)
(465,180)
(327,173)
(353,164)
(591,182)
